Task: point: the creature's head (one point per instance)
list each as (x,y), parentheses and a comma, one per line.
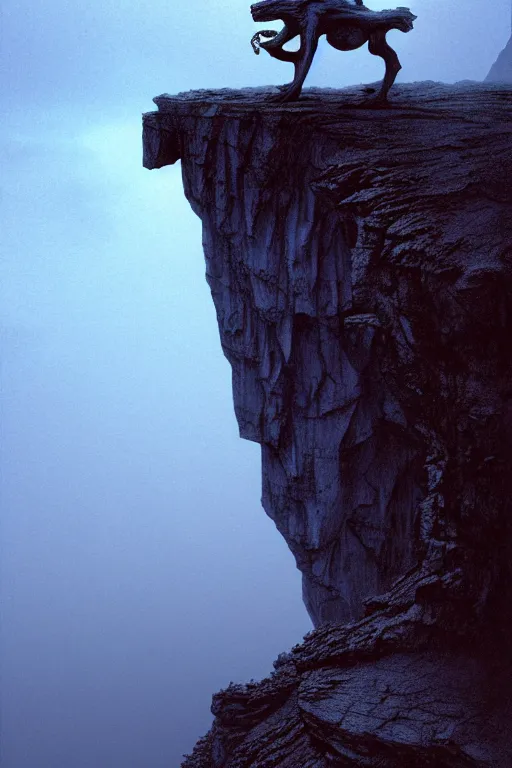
(270,10)
(406,22)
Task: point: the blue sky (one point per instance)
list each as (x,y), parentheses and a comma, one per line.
(138,571)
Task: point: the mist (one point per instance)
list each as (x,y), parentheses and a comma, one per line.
(139,573)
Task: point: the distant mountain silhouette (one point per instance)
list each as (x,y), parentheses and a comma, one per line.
(501,70)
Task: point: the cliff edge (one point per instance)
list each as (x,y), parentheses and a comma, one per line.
(360,262)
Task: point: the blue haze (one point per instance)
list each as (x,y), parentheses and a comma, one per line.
(139,573)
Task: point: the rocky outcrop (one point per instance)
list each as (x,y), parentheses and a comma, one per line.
(501,70)
(360,262)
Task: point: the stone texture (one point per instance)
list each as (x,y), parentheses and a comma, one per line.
(420,709)
(360,262)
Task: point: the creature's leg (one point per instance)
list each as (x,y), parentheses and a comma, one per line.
(274,46)
(302,60)
(379,47)
(279,53)
(291,56)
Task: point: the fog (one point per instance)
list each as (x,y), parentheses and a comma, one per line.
(139,572)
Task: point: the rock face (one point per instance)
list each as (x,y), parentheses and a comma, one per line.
(360,262)
(501,70)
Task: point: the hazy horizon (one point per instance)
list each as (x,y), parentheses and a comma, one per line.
(139,573)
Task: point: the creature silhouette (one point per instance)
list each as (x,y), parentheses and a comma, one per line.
(347,25)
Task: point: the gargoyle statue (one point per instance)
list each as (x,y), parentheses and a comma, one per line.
(348,25)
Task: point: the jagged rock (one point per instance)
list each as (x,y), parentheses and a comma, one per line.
(360,262)
(409,709)
(501,70)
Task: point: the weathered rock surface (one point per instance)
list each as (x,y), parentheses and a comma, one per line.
(501,70)
(360,262)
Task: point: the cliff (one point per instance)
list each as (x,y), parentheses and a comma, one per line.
(360,262)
